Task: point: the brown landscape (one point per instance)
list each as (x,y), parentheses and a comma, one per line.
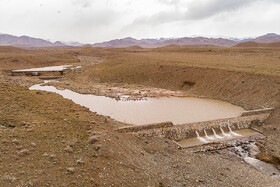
(47,140)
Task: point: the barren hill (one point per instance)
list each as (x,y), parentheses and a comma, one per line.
(10,49)
(255,44)
(268,38)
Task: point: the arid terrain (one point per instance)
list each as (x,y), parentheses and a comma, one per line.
(47,140)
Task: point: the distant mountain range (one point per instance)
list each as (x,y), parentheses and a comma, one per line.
(126,42)
(26,41)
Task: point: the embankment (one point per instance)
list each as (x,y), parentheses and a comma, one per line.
(251,91)
(272,131)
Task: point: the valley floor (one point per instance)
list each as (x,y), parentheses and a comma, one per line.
(47,140)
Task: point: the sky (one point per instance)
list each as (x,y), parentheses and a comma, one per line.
(91,21)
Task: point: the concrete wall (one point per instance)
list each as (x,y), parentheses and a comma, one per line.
(37,73)
(256,112)
(184,131)
(145,127)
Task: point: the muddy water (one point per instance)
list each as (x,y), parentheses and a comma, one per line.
(151,110)
(247,151)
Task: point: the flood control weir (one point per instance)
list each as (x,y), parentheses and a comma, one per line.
(248,119)
(43,71)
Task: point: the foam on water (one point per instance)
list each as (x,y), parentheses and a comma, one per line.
(224,134)
(190,142)
(215,134)
(200,138)
(216,137)
(208,137)
(233,133)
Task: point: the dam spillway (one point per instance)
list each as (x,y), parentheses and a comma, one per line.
(206,131)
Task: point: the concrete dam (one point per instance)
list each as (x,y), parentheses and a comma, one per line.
(205,131)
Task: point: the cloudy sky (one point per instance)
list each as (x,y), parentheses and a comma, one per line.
(91,21)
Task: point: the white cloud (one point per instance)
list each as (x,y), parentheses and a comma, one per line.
(83,3)
(92,21)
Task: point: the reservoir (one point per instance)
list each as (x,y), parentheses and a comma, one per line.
(179,110)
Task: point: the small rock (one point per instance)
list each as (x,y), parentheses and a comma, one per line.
(95,155)
(19,147)
(92,122)
(33,144)
(23,123)
(263,157)
(15,141)
(261,142)
(70,170)
(69,149)
(11,126)
(198,180)
(52,156)
(93,139)
(10,178)
(259,145)
(23,152)
(80,161)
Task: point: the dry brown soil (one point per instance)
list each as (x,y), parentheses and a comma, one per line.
(48,140)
